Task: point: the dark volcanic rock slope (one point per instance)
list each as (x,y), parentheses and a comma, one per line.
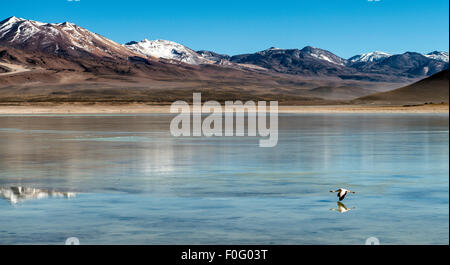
(433,89)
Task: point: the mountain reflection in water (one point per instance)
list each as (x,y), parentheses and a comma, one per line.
(20,194)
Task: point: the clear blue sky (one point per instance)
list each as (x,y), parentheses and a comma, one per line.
(345,27)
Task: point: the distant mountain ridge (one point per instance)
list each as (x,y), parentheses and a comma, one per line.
(213,56)
(408,64)
(372,66)
(308,61)
(71,41)
(437,55)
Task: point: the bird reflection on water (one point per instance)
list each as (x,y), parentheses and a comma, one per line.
(341,208)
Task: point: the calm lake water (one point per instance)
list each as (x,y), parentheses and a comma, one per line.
(126,180)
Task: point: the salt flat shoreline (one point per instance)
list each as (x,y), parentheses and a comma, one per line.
(140,108)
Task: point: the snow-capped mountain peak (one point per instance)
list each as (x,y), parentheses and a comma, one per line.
(58,38)
(369,57)
(437,55)
(167,50)
(11,20)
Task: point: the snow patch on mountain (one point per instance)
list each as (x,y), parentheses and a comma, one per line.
(324,55)
(369,57)
(437,55)
(168,50)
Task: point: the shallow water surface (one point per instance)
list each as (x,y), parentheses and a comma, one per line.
(123,179)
